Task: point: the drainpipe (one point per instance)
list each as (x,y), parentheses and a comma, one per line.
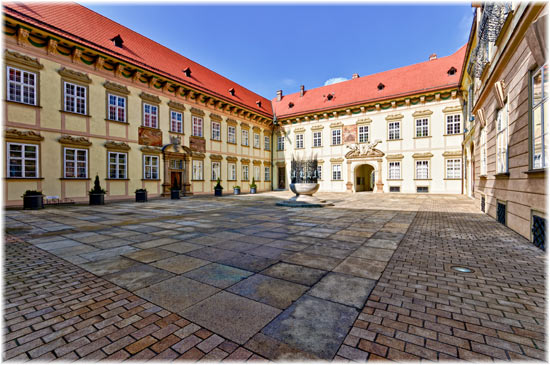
(273,145)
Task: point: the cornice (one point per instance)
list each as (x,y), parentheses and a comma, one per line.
(112,86)
(175,105)
(151,149)
(198,112)
(422,113)
(215,157)
(423,155)
(231,158)
(120,146)
(13,133)
(149,98)
(394,117)
(15,58)
(396,156)
(79,141)
(452,109)
(74,75)
(215,117)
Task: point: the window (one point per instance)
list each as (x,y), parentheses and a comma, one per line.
(454,169)
(502,140)
(317,138)
(483,152)
(395,189)
(197,170)
(231,134)
(150,167)
(21,86)
(117,108)
(394,170)
(267,143)
(336,172)
(231,171)
(256,140)
(299,141)
(216,170)
(150,115)
(422,127)
(394,130)
(336,136)
(75,98)
(539,127)
(363,133)
(257,175)
(197,126)
(280,143)
(22,160)
(245,138)
(176,122)
(245,172)
(319,172)
(267,174)
(216,131)
(422,170)
(75,163)
(453,124)
(117,165)
(421,189)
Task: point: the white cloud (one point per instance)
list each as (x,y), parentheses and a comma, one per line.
(335,80)
(289,82)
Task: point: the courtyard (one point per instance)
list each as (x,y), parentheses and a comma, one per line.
(238,278)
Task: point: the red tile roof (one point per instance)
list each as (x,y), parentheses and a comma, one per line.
(86,27)
(421,77)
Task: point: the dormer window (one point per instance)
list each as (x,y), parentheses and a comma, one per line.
(232,91)
(381,86)
(451,71)
(291,105)
(187,72)
(259,103)
(117,41)
(330,96)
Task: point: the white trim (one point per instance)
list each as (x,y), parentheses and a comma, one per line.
(116,106)
(152,165)
(75,163)
(19,86)
(117,164)
(74,96)
(23,159)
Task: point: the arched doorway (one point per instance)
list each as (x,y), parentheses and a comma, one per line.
(364,178)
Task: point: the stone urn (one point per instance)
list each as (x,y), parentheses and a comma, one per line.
(304,192)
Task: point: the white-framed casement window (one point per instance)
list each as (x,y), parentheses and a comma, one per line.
(422,127)
(176,122)
(336,136)
(150,115)
(267,143)
(245,137)
(22,160)
(118,165)
(150,167)
(74,98)
(216,131)
(197,126)
(422,169)
(245,172)
(257,173)
(337,172)
(394,170)
(75,163)
(21,86)
(453,168)
(197,169)
(483,151)
(539,123)
(317,139)
(280,143)
(363,131)
(453,124)
(117,107)
(231,134)
(267,174)
(231,171)
(502,140)
(256,140)
(299,141)
(320,172)
(394,130)
(216,170)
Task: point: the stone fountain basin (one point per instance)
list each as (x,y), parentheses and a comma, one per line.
(304,188)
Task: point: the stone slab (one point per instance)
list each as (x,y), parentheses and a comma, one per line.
(149,255)
(180,264)
(369,269)
(344,289)
(220,276)
(109,266)
(138,276)
(295,273)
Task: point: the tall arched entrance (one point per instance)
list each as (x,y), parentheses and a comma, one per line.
(364,178)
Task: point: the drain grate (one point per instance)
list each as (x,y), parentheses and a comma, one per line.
(462,269)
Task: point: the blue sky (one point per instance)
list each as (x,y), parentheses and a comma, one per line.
(267,47)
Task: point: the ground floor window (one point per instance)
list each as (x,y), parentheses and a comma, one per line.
(319,172)
(197,169)
(257,176)
(422,169)
(267,174)
(337,172)
(245,172)
(216,170)
(75,163)
(394,170)
(22,160)
(150,167)
(231,171)
(118,165)
(453,168)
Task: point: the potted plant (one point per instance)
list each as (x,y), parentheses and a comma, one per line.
(33,199)
(218,188)
(236,190)
(97,194)
(141,195)
(253,187)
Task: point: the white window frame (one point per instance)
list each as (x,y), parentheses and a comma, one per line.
(483,151)
(198,169)
(256,140)
(337,171)
(394,130)
(151,117)
(502,140)
(422,127)
(216,131)
(420,167)
(539,160)
(257,173)
(19,87)
(176,119)
(116,108)
(267,173)
(75,161)
(196,129)
(245,172)
(76,98)
(394,170)
(317,138)
(151,167)
(280,143)
(118,163)
(453,168)
(216,170)
(453,124)
(363,133)
(300,140)
(23,160)
(231,134)
(231,171)
(336,137)
(319,171)
(244,135)
(267,143)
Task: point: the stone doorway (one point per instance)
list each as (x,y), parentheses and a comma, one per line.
(176,169)
(364,178)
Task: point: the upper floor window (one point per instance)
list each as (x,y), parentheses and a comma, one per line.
(75,98)
(336,136)
(267,176)
(453,124)
(231,135)
(267,143)
(539,122)
(216,131)
(394,170)
(245,137)
(256,140)
(22,160)
(197,126)
(176,122)
(422,129)
(299,141)
(453,168)
(502,140)
(317,139)
(75,163)
(150,115)
(483,152)
(422,169)
(21,86)
(394,130)
(363,132)
(151,167)
(117,108)
(280,143)
(118,165)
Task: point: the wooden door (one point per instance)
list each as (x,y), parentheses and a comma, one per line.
(176,179)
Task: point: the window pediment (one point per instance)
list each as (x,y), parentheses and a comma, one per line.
(112,86)
(336,125)
(423,155)
(364,121)
(176,105)
(197,112)
(394,117)
(79,141)
(452,153)
(151,149)
(23,135)
(149,98)
(215,117)
(215,157)
(75,75)
(317,127)
(18,59)
(245,160)
(231,121)
(452,109)
(231,158)
(396,156)
(117,146)
(422,113)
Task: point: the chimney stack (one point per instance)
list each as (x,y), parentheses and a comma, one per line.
(433,56)
(301,90)
(279,95)
(355,76)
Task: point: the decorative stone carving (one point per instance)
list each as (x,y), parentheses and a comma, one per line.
(99,62)
(12,133)
(480,115)
(80,141)
(231,158)
(336,125)
(113,145)
(245,125)
(22,60)
(339,159)
(423,155)
(452,109)
(196,154)
(452,153)
(22,36)
(165,87)
(422,99)
(317,127)
(245,160)
(136,76)
(299,130)
(231,121)
(256,162)
(75,55)
(215,157)
(364,121)
(52,46)
(215,117)
(367,150)
(150,98)
(266,163)
(422,113)
(500,93)
(75,75)
(176,105)
(197,111)
(256,129)
(151,149)
(396,156)
(118,70)
(121,89)
(394,117)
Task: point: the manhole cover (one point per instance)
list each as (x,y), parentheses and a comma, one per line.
(462,269)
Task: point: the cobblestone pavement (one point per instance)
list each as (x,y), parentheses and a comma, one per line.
(240,279)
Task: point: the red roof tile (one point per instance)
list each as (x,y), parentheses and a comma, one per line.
(421,77)
(91,29)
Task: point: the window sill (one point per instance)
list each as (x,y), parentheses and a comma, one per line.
(393,140)
(215,140)
(422,137)
(198,137)
(299,148)
(245,145)
(22,104)
(23,178)
(150,128)
(317,147)
(231,179)
(335,145)
(257,148)
(231,142)
(483,177)
(178,133)
(197,179)
(337,180)
(116,121)
(113,179)
(453,178)
(75,178)
(422,179)
(394,179)
(454,134)
(77,114)
(150,179)
(536,172)
(502,175)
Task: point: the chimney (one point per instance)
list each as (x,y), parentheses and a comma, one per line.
(301,90)
(355,76)
(433,56)
(279,95)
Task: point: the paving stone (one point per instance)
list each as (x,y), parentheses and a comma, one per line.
(295,273)
(138,276)
(373,253)
(179,264)
(181,247)
(369,269)
(247,262)
(344,289)
(220,276)
(108,253)
(314,261)
(109,266)
(149,255)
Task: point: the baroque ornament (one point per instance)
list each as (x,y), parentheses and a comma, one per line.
(364,150)
(81,141)
(12,133)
